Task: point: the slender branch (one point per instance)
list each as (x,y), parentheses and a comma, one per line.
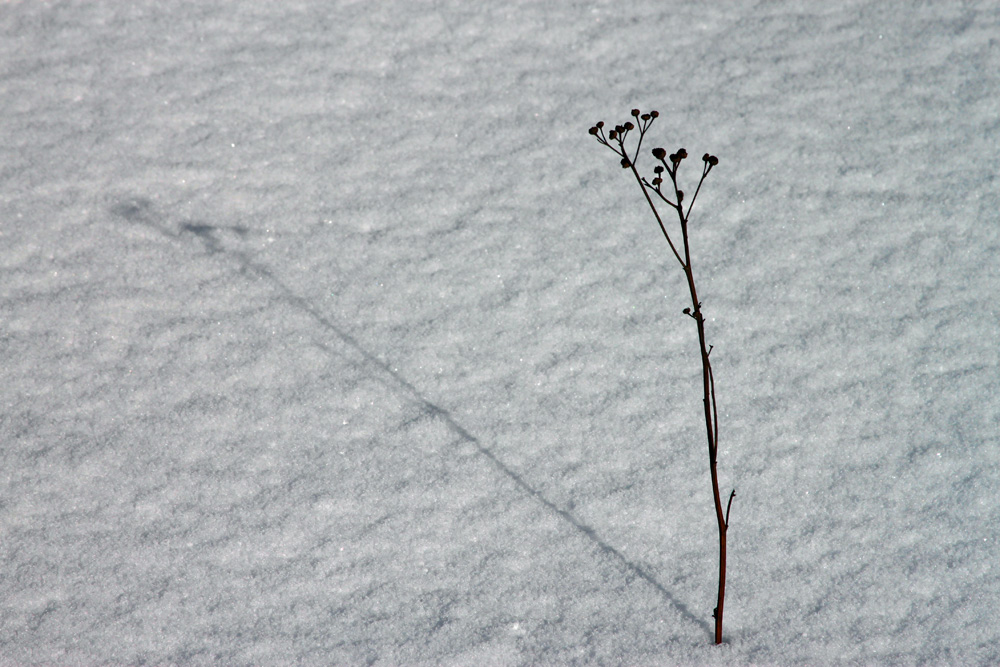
(715,411)
(707,168)
(656,213)
(656,189)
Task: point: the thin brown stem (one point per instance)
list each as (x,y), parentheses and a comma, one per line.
(715,411)
(656,214)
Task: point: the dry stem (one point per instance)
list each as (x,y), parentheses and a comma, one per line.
(615,140)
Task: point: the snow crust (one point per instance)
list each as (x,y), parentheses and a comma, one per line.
(329,336)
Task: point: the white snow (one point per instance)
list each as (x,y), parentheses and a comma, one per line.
(329,336)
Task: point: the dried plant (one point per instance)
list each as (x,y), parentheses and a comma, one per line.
(673,197)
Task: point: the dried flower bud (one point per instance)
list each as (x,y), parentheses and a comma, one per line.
(657,169)
(680,196)
(600,124)
(712,160)
(687,311)
(674,158)
(635,112)
(654,114)
(681,154)
(625,163)
(593,130)
(657,181)
(629,126)
(659,153)
(705,157)
(645,116)
(613,134)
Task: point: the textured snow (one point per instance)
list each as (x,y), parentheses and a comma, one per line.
(329,336)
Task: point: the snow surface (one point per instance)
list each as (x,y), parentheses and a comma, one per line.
(329,336)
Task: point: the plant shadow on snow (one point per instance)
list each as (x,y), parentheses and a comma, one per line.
(138,210)
(206,234)
(134,209)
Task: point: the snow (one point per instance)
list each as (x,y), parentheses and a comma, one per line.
(330,336)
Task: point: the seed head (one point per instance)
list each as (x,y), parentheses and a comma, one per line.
(635,112)
(681,154)
(659,153)
(712,160)
(593,130)
(625,163)
(600,124)
(654,114)
(629,126)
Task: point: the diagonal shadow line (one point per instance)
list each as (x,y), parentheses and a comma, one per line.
(591,534)
(205,234)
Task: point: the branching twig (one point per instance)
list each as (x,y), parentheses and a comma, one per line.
(615,140)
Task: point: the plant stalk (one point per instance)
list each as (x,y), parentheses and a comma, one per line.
(708,382)
(617,137)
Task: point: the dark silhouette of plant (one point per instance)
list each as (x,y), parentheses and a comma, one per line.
(615,140)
